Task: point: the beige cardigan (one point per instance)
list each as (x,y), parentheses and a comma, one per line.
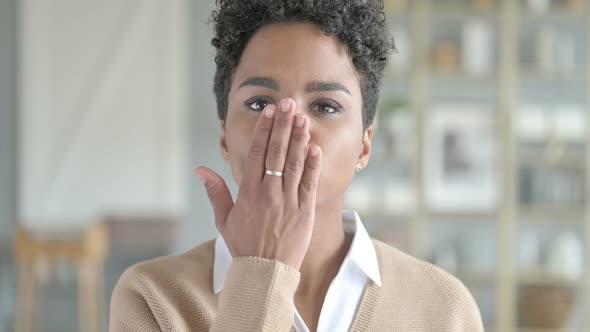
(176,294)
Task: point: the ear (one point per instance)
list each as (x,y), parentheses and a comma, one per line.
(366,147)
(222,142)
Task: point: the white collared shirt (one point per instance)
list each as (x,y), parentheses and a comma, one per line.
(346,290)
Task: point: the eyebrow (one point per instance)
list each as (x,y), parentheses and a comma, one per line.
(264,82)
(315,86)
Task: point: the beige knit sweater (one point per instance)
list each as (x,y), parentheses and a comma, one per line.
(176,294)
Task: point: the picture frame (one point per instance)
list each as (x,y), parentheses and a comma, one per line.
(461,158)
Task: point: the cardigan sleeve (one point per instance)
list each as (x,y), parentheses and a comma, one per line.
(257,296)
(130,309)
(464,312)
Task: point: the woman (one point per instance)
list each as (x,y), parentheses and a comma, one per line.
(296,87)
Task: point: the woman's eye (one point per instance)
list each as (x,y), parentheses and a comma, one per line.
(326,108)
(257,104)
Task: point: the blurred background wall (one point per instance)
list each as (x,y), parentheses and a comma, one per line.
(95,126)
(8,116)
(103,98)
(479,164)
(203,124)
(8,151)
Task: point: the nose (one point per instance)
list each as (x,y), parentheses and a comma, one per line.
(311,125)
(300,108)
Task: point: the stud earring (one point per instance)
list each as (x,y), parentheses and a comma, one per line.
(359,167)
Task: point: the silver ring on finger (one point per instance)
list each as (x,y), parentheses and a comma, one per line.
(273,173)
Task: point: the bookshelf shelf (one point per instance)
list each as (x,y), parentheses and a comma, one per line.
(433,73)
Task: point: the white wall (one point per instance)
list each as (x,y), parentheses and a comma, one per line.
(103,108)
(203,126)
(118,110)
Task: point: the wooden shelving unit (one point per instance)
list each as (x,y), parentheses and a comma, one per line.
(503,89)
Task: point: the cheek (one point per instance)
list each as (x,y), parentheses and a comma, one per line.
(340,155)
(335,177)
(341,145)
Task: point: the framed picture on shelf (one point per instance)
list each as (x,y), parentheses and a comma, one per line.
(461,158)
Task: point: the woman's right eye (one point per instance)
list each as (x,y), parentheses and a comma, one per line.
(257,104)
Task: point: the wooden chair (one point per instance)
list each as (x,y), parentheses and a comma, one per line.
(86,249)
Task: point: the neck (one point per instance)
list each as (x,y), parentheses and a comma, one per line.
(328,248)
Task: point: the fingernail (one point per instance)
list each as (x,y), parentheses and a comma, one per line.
(314,151)
(269,112)
(285,105)
(300,121)
(200,177)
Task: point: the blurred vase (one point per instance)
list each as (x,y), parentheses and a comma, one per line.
(565,256)
(446,57)
(547,307)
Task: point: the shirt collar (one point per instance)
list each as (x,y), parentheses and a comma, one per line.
(221,265)
(361,252)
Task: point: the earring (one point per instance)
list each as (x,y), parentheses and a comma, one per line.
(359,167)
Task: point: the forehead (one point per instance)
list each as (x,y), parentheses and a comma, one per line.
(295,54)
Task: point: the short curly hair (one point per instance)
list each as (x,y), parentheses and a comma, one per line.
(359,24)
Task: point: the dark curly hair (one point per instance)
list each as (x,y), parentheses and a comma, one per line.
(359,24)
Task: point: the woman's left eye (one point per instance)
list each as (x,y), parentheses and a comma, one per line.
(326,108)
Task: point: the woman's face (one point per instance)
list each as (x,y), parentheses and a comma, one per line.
(298,61)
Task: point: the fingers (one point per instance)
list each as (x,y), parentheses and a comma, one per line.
(218,193)
(295,161)
(254,169)
(279,142)
(310,178)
